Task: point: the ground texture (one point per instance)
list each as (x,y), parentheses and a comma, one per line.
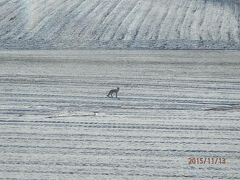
(57,123)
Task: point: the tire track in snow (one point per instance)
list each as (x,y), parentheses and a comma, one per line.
(6,23)
(32,32)
(72,15)
(147,26)
(115,126)
(191,21)
(105,136)
(45,141)
(3,3)
(162,19)
(106,11)
(167,21)
(140,21)
(111,31)
(94,13)
(81,17)
(66,14)
(6,9)
(122,30)
(55,22)
(173,19)
(185,19)
(109,20)
(28,17)
(196,26)
(217,18)
(18,30)
(156,22)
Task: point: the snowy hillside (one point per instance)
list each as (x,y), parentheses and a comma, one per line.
(151,24)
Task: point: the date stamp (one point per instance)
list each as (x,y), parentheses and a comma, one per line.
(206,160)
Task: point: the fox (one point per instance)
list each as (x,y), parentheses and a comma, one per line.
(110,94)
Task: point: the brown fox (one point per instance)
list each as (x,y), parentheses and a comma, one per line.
(110,94)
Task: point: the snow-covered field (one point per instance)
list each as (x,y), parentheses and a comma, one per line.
(56,122)
(151,24)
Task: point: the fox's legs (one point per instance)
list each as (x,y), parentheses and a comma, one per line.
(110,94)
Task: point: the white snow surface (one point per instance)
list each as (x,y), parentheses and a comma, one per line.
(57,123)
(136,24)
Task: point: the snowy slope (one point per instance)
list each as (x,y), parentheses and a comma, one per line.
(148,24)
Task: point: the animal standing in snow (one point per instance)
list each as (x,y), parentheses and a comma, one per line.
(110,94)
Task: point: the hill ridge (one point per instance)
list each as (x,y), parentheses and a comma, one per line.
(124,24)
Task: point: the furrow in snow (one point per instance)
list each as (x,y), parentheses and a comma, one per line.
(162,24)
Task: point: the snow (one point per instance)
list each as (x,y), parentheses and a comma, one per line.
(57,123)
(114,24)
